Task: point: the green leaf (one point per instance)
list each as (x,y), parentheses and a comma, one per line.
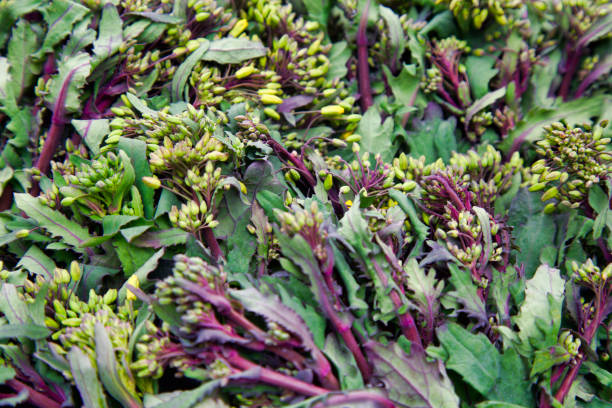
(107,369)
(486,100)
(158,17)
(93,132)
(339,55)
(465,293)
(243,246)
(395,32)
(142,273)
(348,373)
(495,376)
(601,204)
(136,150)
(24,42)
(86,380)
(376,137)
(64,91)
(318,10)
(539,318)
(110,35)
(12,306)
(29,330)
(82,37)
(480,70)
(575,112)
(160,239)
(433,137)
(411,381)
(131,256)
(52,221)
(184,71)
(533,230)
(6,373)
(425,289)
(60,16)
(234,50)
(405,86)
(37,262)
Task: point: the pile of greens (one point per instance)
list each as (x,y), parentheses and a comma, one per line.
(305,203)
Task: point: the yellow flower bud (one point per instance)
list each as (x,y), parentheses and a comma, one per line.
(133,280)
(271,99)
(332,110)
(75,271)
(244,72)
(22,233)
(272,113)
(239,27)
(152,182)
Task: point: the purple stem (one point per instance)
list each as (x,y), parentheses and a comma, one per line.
(213,245)
(406,320)
(571,65)
(34,397)
(274,378)
(363,69)
(357,398)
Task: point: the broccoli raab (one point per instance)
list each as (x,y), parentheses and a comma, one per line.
(305,203)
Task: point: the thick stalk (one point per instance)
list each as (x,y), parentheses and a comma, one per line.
(34,397)
(277,379)
(363,69)
(571,65)
(213,245)
(356,398)
(406,320)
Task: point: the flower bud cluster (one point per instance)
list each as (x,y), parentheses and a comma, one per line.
(192,216)
(100,187)
(573,159)
(477,11)
(590,275)
(308,223)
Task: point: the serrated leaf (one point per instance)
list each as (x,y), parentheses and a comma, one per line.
(60,16)
(107,369)
(23,43)
(539,318)
(64,92)
(410,380)
(424,290)
(52,221)
(82,36)
(376,136)
(184,71)
(466,294)
(233,50)
(110,34)
(86,380)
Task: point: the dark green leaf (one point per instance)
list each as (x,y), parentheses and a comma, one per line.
(348,373)
(376,137)
(37,262)
(137,151)
(6,373)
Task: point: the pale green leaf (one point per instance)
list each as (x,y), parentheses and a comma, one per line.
(184,71)
(233,50)
(86,380)
(110,34)
(64,91)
